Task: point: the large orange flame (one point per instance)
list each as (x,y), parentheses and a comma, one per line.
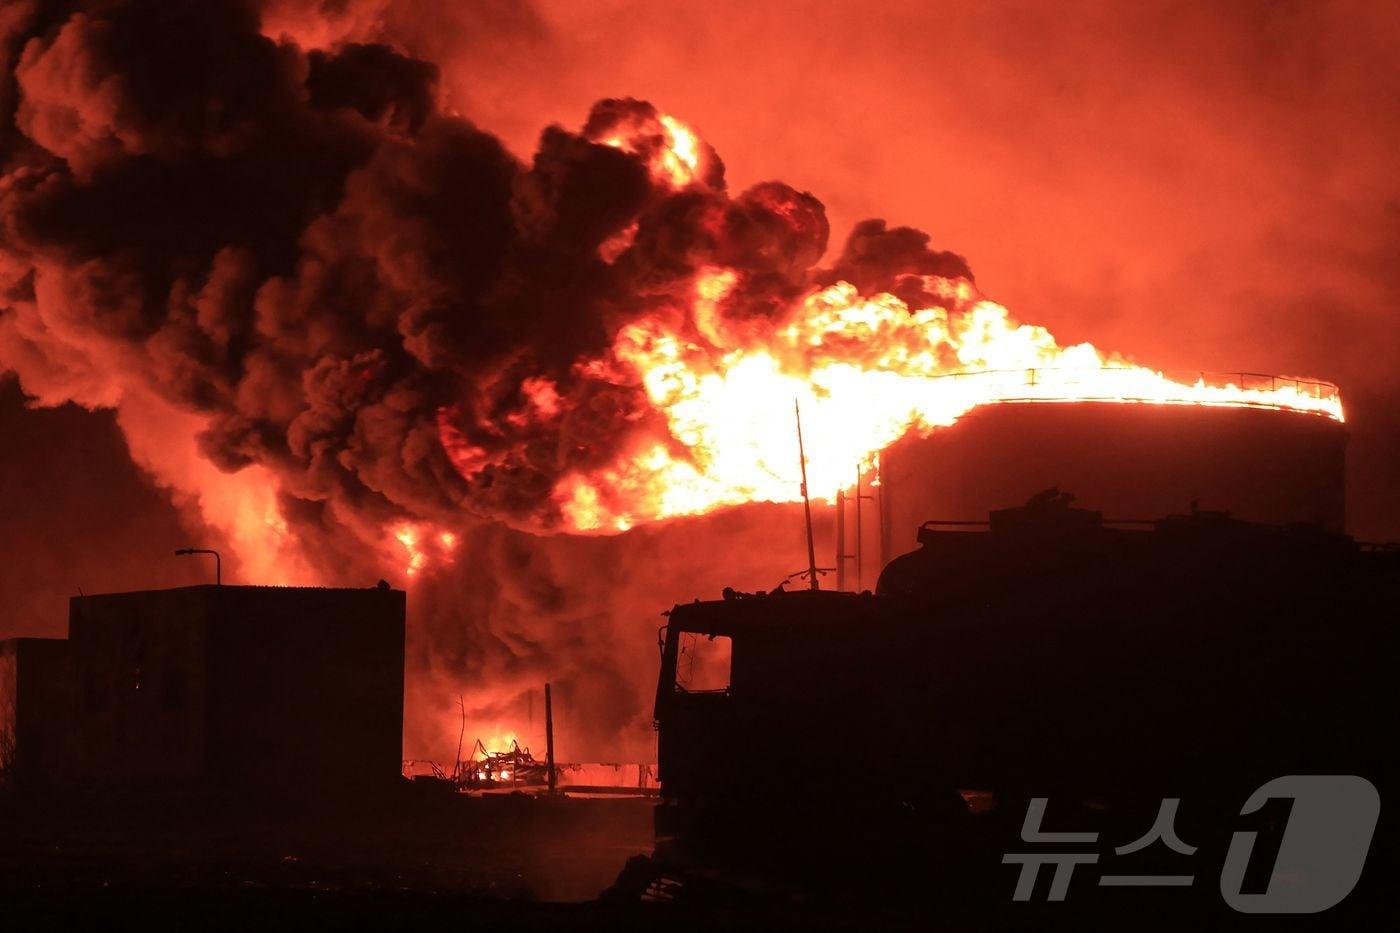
(672,149)
(865,370)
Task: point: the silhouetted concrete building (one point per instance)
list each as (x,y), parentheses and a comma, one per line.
(239,687)
(36,701)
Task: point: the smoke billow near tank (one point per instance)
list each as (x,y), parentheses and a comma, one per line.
(1129,461)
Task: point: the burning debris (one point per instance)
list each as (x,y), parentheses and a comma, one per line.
(501,763)
(514,768)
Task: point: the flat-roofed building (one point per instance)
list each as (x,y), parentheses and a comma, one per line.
(239,687)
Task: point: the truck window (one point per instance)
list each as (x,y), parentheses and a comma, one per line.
(703,663)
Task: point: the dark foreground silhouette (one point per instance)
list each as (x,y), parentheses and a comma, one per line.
(857,761)
(887,748)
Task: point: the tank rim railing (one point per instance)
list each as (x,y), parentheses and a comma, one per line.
(1369,547)
(1318,388)
(1240,380)
(935,523)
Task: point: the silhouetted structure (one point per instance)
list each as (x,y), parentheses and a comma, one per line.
(35,707)
(239,687)
(1043,652)
(1131,461)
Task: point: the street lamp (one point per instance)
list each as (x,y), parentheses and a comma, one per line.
(218,561)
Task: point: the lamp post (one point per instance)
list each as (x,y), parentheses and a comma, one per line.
(218,561)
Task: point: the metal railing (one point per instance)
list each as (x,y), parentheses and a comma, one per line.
(1090,384)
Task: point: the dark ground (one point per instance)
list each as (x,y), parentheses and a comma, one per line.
(511,861)
(497,862)
(503,862)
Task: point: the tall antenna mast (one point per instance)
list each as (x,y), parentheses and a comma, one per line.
(806,502)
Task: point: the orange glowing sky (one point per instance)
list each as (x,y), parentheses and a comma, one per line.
(1205,187)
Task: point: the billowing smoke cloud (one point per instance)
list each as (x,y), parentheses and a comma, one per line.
(301,247)
(324,307)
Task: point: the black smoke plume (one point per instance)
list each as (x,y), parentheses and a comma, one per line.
(295,270)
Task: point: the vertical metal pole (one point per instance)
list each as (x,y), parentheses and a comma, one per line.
(883,507)
(841,539)
(806,502)
(549,737)
(860,552)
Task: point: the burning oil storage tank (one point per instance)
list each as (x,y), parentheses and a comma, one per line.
(1131,461)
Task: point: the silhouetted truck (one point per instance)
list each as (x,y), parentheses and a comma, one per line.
(244,688)
(1045,652)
